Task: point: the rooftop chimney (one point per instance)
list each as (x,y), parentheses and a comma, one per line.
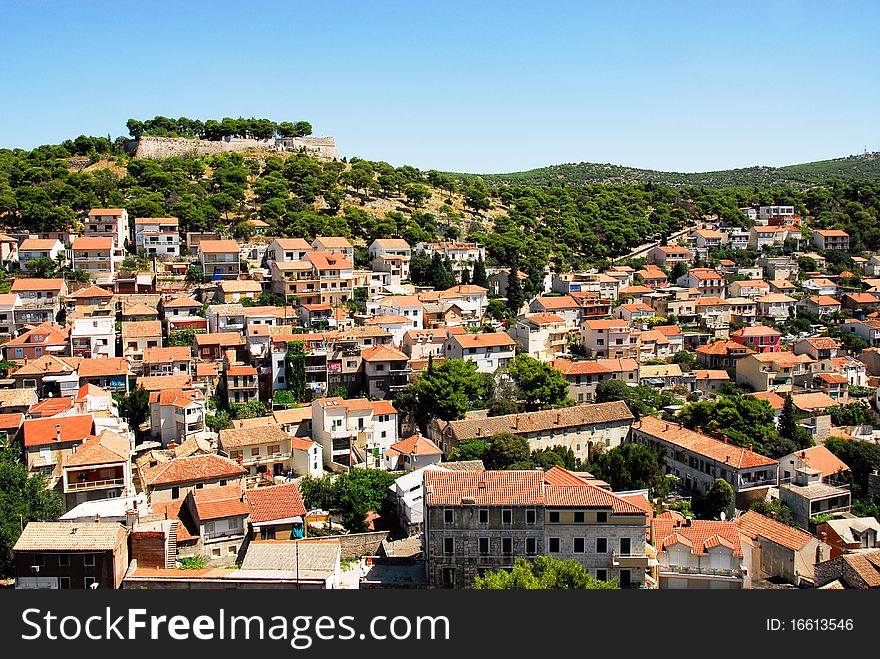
(58,432)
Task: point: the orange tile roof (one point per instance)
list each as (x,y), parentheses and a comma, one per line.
(23,284)
(516,488)
(241,370)
(819,457)
(483,340)
(773,399)
(416,445)
(587,495)
(141,329)
(103,244)
(192,468)
(561,302)
(158,382)
(50,407)
(711,375)
(774,297)
(221,339)
(169,354)
(106,448)
(240,286)
(329,260)
(333,242)
(219,502)
(44,432)
(90,292)
(156,220)
(104,367)
(757,330)
(722,348)
(382,353)
(139,309)
(698,534)
(383,407)
(756,525)
(33,244)
(181,302)
(218,246)
(824,301)
(734,456)
(275,502)
(813,402)
(832,233)
(113,212)
(11,421)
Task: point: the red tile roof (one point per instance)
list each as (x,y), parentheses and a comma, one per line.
(819,457)
(103,244)
(107,448)
(515,488)
(275,502)
(698,534)
(416,445)
(220,502)
(755,524)
(44,432)
(192,468)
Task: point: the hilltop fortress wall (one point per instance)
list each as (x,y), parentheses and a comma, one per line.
(179,147)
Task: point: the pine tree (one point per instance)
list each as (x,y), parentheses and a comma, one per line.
(465,277)
(787,422)
(479,277)
(515,296)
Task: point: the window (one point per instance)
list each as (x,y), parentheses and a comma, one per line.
(89,582)
(602,575)
(267,533)
(601,545)
(64,583)
(63,560)
(507,546)
(531,546)
(554,545)
(199,486)
(625,579)
(484,515)
(531,516)
(602,518)
(483,546)
(448,546)
(578,546)
(89,560)
(625,546)
(448,577)
(579,517)
(506,516)
(554,517)
(215,552)
(448,515)
(175,492)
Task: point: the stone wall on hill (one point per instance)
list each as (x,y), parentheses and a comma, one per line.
(179,147)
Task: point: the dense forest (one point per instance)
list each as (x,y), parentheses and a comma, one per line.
(526,226)
(852,168)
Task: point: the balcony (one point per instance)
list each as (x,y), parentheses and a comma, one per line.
(760,482)
(264,459)
(630,560)
(702,571)
(316,369)
(83,486)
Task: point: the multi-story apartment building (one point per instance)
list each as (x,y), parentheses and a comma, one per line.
(386,371)
(542,336)
(108,222)
(707,281)
(354,431)
(336,244)
(759,338)
(93,337)
(774,371)
(488,351)
(286,250)
(176,415)
(775,214)
(775,305)
(97,256)
(613,339)
(700,554)
(584,376)
(391,255)
(241,384)
(219,259)
(40,300)
(100,468)
(478,521)
(696,460)
(32,249)
(269,450)
(830,239)
(157,236)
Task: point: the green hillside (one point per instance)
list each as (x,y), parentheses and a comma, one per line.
(851,168)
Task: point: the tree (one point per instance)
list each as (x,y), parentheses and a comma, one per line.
(417,194)
(184,337)
(686,359)
(474,449)
(515,295)
(251,410)
(502,406)
(611,390)
(538,384)
(505,451)
(194,274)
(135,408)
(744,420)
(775,509)
(544,574)
(446,391)
(351,496)
(479,277)
(219,421)
(630,467)
(717,499)
(863,458)
(295,369)
(465,277)
(24,498)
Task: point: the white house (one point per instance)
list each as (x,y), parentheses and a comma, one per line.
(488,351)
(157,236)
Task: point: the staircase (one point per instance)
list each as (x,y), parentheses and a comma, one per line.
(171,555)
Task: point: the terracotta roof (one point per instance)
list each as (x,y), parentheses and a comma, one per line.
(52,335)
(139,309)
(206,369)
(382,353)
(709,301)
(301,443)
(192,469)
(383,407)
(106,448)
(774,297)
(222,339)
(156,220)
(241,370)
(544,318)
(711,375)
(668,330)
(773,399)
(218,246)
(819,457)
(754,524)
(560,302)
(292,243)
(705,273)
(157,382)
(823,342)
(333,242)
(866,565)
(22,284)
(734,456)
(176,397)
(515,488)
(824,301)
(104,367)
(219,502)
(170,354)
(11,421)
(238,437)
(293,415)
(386,319)
(558,476)
(812,402)
(756,330)
(71,536)
(104,243)
(587,495)
(722,348)
(50,406)
(240,286)
(90,292)
(568,367)
(181,302)
(831,378)
(483,340)
(831,233)
(141,329)
(275,502)
(416,445)
(467,289)
(605,324)
(699,534)
(44,432)
(113,212)
(329,260)
(392,243)
(33,244)
(576,415)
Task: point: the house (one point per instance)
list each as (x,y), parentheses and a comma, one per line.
(516,514)
(424,343)
(699,554)
(108,222)
(850,535)
(462,255)
(334,275)
(833,385)
(652,277)
(831,468)
(271,451)
(861,302)
(241,384)
(235,290)
(408,306)
(157,236)
(583,428)
(706,239)
(810,498)
(634,312)
(774,214)
(782,286)
(773,371)
(867,330)
(666,256)
(277,512)
(778,550)
(820,286)
(819,348)
(8,251)
(565,306)
(97,256)
(775,305)
(584,376)
(108,373)
(489,351)
(751,288)
(656,345)
(176,415)
(221,515)
(765,236)
(696,460)
(709,381)
(334,244)
(660,375)
(542,336)
(92,337)
(391,255)
(167,361)
(43,339)
(819,305)
(851,369)
(91,300)
(826,239)
(353,431)
(70,556)
(49,443)
(219,259)
(286,250)
(212,346)
(8,304)
(32,249)
(613,339)
(137,337)
(40,300)
(173,478)
(714,313)
(860,571)
(386,371)
(411,454)
(707,281)
(99,468)
(758,338)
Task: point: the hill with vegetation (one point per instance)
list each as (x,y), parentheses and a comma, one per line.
(526,226)
(851,168)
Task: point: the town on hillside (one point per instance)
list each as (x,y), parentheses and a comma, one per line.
(327,412)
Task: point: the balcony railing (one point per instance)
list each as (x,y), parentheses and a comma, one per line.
(219,535)
(260,459)
(762,482)
(702,571)
(629,560)
(94,485)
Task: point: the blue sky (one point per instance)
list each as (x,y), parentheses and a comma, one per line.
(462,86)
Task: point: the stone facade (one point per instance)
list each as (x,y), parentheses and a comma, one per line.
(179,147)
